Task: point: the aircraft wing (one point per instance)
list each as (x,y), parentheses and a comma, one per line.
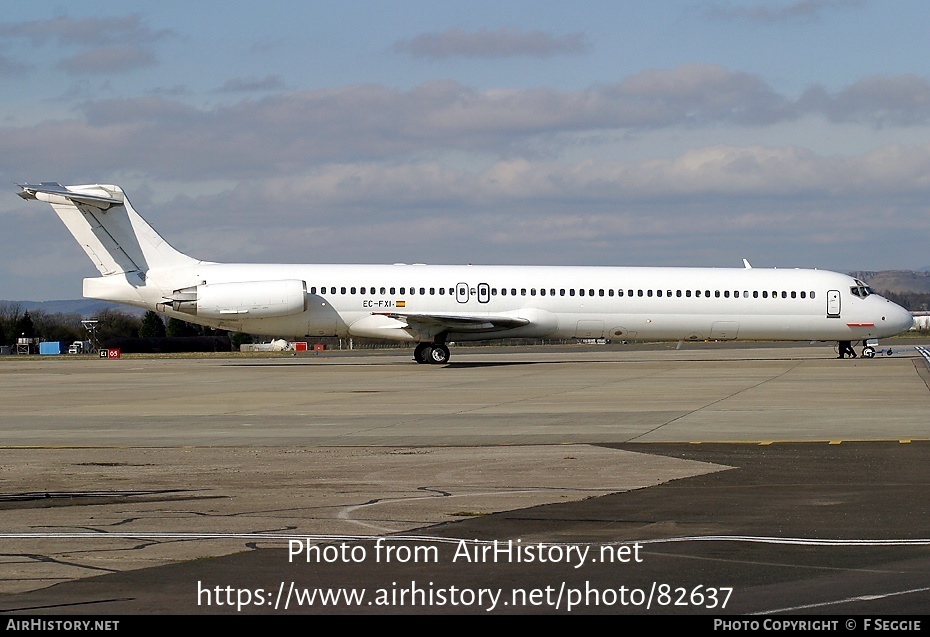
(458,322)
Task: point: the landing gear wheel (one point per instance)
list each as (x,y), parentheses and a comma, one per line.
(421,353)
(868,352)
(438,354)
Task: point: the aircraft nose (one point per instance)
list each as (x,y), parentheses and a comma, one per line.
(897,317)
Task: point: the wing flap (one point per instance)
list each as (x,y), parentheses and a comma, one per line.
(458,322)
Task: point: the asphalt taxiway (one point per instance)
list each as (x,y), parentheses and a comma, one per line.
(791,481)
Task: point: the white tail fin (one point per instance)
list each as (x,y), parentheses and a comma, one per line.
(112,234)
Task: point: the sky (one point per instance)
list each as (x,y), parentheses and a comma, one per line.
(792,133)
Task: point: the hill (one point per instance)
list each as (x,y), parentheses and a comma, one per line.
(897,281)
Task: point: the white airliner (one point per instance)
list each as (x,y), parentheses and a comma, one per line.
(431,305)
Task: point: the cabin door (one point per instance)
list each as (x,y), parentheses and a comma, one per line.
(833,304)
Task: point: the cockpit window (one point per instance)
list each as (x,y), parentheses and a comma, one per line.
(861,289)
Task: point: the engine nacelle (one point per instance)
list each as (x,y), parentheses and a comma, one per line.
(249,299)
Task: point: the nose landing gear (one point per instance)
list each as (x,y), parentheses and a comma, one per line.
(869,349)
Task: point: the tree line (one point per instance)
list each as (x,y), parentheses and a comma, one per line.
(17,322)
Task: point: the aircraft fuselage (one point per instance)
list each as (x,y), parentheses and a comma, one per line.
(557,302)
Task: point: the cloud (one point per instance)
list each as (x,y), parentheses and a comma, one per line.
(698,94)
(877,100)
(11,68)
(117,59)
(704,206)
(794,11)
(703,173)
(93,32)
(251,84)
(283,132)
(105,45)
(486,43)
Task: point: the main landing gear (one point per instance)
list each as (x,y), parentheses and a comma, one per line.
(435,353)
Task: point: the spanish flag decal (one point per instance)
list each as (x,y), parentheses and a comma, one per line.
(402,304)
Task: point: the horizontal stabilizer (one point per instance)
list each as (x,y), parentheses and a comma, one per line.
(49,191)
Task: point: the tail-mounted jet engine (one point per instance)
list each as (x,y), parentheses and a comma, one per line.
(252,299)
